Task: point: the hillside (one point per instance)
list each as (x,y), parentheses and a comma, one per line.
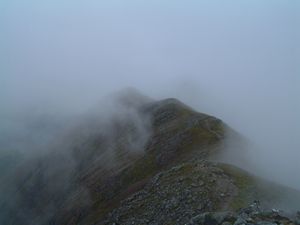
(146,162)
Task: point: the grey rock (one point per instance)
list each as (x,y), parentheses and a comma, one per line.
(226,223)
(265,223)
(240,221)
(213,218)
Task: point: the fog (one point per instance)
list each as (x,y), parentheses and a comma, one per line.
(236,60)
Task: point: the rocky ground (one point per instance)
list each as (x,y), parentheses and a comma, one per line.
(199,192)
(247,216)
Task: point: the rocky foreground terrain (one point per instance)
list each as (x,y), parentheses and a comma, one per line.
(201,193)
(249,215)
(149,163)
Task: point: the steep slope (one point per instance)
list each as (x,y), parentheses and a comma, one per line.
(176,132)
(106,158)
(143,162)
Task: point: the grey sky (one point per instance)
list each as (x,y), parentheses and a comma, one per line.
(238,60)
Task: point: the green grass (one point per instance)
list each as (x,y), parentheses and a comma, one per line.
(246,186)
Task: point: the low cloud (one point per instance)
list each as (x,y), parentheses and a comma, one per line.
(235,60)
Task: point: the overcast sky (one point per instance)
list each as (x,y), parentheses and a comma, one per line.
(237,60)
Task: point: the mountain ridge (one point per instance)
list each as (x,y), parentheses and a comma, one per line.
(114,157)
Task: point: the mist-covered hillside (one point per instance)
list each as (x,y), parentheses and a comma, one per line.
(136,160)
(149,112)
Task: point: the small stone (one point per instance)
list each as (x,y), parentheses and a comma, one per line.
(275,210)
(226,223)
(194,185)
(265,223)
(240,221)
(250,220)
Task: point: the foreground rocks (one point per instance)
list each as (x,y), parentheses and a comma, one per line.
(246,216)
(252,215)
(200,192)
(176,195)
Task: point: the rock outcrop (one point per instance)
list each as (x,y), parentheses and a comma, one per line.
(199,192)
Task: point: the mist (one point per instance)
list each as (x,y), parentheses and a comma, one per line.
(236,60)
